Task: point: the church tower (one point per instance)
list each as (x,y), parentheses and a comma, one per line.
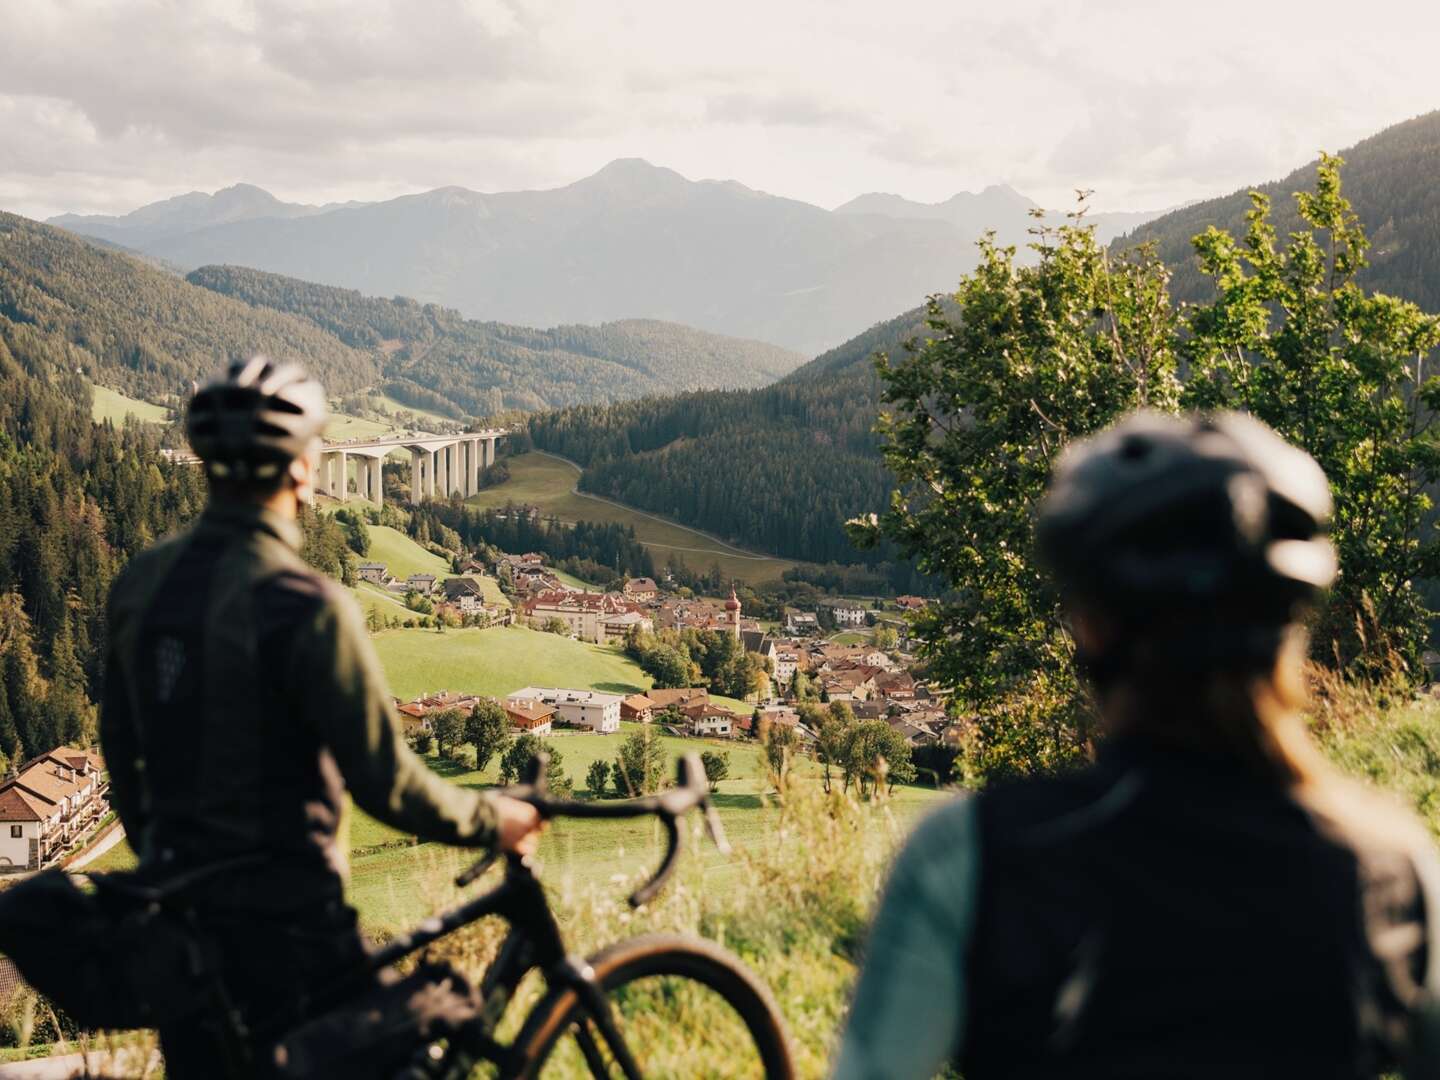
(732,609)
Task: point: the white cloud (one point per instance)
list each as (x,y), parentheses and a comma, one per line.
(1151,102)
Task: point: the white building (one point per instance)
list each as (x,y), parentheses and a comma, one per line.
(848,615)
(47,805)
(577,708)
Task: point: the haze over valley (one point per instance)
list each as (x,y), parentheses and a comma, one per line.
(634,240)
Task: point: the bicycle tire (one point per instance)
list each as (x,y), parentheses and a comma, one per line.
(691,959)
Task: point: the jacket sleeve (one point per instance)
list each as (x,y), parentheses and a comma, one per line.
(119,739)
(907,1017)
(1423,1062)
(346,698)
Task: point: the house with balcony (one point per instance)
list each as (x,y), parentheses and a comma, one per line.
(48,804)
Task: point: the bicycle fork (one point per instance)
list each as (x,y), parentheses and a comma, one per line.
(580,977)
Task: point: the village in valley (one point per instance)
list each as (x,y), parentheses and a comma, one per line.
(852,651)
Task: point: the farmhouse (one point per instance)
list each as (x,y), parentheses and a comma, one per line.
(637,707)
(465,594)
(424,584)
(529,715)
(683,699)
(712,720)
(47,804)
(373,572)
(577,708)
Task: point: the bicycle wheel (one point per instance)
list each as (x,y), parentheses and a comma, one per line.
(683,1007)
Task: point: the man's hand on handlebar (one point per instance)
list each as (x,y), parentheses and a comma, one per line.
(518,826)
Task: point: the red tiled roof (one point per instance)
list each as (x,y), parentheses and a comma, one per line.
(15,807)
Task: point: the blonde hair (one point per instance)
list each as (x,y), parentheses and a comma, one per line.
(1252,718)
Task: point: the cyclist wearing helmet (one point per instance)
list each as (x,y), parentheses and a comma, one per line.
(243,699)
(1206,899)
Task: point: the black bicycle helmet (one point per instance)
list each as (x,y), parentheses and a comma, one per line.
(249,425)
(1164,515)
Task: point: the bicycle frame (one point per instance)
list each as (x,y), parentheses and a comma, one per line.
(534,940)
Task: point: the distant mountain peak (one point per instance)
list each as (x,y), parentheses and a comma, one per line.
(633,174)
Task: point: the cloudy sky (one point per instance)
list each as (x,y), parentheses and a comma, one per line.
(106,106)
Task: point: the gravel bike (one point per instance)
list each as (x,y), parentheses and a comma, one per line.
(656,1005)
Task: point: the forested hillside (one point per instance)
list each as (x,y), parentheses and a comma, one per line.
(779,468)
(1390,180)
(76,500)
(140,330)
(485,368)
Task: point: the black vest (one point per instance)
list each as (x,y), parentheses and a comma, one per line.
(1159,915)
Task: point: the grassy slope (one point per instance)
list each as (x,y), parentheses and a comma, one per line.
(793,898)
(499,661)
(549,482)
(585,855)
(114,406)
(401,555)
(386,404)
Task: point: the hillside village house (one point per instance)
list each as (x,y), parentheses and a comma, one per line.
(801,623)
(577,708)
(683,699)
(787,657)
(712,721)
(641,590)
(848,615)
(424,584)
(597,617)
(48,804)
(373,572)
(638,708)
(529,715)
(465,594)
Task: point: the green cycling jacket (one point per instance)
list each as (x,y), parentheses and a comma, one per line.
(243,699)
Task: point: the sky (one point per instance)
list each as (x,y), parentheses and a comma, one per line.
(1150,103)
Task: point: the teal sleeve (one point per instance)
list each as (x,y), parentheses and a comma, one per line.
(907,1018)
(1423,1062)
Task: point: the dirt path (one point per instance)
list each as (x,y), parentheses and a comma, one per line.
(108,841)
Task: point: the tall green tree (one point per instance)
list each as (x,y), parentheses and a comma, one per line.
(1293,339)
(487,729)
(640,763)
(1020,361)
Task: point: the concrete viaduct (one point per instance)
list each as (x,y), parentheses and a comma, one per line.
(440,465)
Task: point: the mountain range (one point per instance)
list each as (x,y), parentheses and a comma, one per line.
(800,456)
(632,241)
(146,332)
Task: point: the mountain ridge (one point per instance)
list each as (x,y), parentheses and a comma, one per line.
(632,240)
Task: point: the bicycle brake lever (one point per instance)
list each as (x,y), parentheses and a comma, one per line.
(477,871)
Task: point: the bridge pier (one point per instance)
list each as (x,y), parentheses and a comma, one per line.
(440,466)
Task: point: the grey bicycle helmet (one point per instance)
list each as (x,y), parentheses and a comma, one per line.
(1169,515)
(250,424)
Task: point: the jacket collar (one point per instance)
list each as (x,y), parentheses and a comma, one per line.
(248,517)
